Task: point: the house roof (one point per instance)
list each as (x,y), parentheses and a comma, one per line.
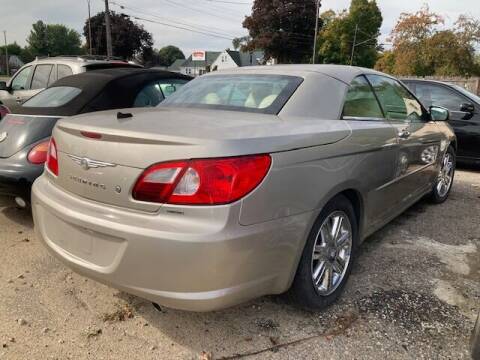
(210,57)
(246,58)
(176,65)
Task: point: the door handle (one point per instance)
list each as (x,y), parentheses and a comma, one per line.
(18,100)
(404,134)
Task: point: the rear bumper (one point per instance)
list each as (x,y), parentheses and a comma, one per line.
(197,259)
(17,177)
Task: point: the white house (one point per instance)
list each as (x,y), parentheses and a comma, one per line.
(229,59)
(199,63)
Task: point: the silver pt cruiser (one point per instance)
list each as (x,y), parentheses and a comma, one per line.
(244,183)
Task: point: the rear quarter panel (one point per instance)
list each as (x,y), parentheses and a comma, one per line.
(306,179)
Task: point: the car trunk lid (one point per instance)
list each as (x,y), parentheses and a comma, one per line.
(19,131)
(102,155)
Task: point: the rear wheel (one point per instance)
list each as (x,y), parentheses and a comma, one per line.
(328,256)
(443,184)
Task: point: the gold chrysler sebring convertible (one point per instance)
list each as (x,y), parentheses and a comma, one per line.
(248,182)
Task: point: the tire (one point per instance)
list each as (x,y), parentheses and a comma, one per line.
(304,292)
(439,194)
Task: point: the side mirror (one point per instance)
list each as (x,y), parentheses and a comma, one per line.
(468,108)
(439,113)
(3,86)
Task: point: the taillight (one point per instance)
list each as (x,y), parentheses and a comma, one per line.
(52,157)
(203,181)
(3,111)
(38,155)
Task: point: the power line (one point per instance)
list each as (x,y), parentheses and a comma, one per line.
(216,31)
(223,17)
(229,2)
(182,28)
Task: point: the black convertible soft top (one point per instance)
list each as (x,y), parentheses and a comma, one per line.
(102,90)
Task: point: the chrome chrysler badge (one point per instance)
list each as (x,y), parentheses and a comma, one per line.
(87,163)
(3,136)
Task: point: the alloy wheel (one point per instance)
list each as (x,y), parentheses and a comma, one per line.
(331,253)
(445,176)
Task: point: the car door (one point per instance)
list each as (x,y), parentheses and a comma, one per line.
(19,87)
(376,139)
(465,122)
(418,139)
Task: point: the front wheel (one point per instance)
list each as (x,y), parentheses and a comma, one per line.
(444,181)
(327,258)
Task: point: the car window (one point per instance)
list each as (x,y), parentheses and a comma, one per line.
(439,96)
(53,76)
(172,86)
(150,95)
(252,93)
(41,76)
(53,97)
(19,82)
(361,101)
(467,93)
(63,70)
(396,101)
(156,91)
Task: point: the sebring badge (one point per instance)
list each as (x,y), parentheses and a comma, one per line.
(87,163)
(3,136)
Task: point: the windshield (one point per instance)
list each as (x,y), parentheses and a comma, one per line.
(467,93)
(53,97)
(253,93)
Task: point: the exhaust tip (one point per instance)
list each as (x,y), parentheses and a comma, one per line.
(20,202)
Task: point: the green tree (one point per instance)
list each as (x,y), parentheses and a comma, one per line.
(53,40)
(13,49)
(360,24)
(284,29)
(386,62)
(129,39)
(240,42)
(422,48)
(168,54)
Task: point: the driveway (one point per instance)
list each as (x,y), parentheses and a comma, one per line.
(414,293)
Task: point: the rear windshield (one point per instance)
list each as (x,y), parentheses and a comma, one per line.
(53,97)
(265,94)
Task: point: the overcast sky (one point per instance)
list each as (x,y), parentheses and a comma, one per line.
(222,18)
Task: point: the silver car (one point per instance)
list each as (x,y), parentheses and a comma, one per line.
(244,183)
(35,76)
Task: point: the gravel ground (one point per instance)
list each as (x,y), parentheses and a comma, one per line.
(414,293)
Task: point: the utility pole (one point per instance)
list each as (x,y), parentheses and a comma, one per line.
(89,30)
(354,44)
(109,31)
(6,52)
(317,16)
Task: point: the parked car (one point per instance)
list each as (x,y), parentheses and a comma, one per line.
(24,136)
(3,111)
(35,76)
(475,341)
(244,183)
(464,110)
